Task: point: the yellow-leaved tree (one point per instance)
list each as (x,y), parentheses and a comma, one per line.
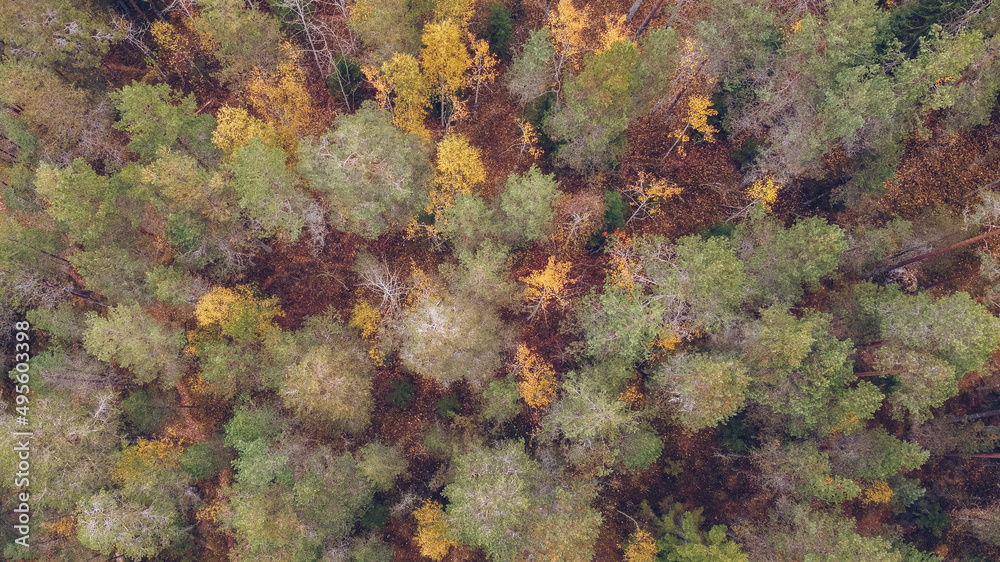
(459,169)
(483,67)
(404,90)
(432,531)
(536,378)
(283,100)
(235,127)
(547,286)
(568,25)
(444,60)
(641,548)
(765,191)
(237,312)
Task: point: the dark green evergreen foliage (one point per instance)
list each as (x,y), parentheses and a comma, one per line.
(929,515)
(500,29)
(737,435)
(376,516)
(681,537)
(205,459)
(401,394)
(640,448)
(874,455)
(344,81)
(614,211)
(912,21)
(186,230)
(447,406)
(143,412)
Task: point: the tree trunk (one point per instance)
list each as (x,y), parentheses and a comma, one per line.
(975,416)
(656,8)
(922,257)
(633,10)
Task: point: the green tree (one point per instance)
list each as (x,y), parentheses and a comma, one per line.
(491,494)
(376,178)
(527,203)
(381,465)
(266,190)
(137,342)
(449,338)
(244,39)
(156,116)
(332,384)
(531,74)
(707,389)
(656,63)
(108,523)
(68,36)
(590,124)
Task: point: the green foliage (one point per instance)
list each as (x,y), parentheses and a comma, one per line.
(450,338)
(376,178)
(82,201)
(137,342)
(614,211)
(250,424)
(69,36)
(802,534)
(375,517)
(482,275)
(492,492)
(468,222)
(245,38)
(620,323)
(640,448)
(266,192)
(447,406)
(531,74)
(527,203)
(143,412)
(332,384)
(108,523)
(782,262)
(401,395)
(681,538)
(204,459)
(501,400)
(63,323)
(381,465)
(875,455)
(591,123)
(801,471)
(345,79)
(705,389)
(156,116)
(657,62)
(500,29)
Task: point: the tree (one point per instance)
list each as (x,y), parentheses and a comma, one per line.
(592,121)
(537,384)
(84,202)
(60,34)
(376,177)
(266,191)
(400,76)
(444,60)
(238,313)
(381,465)
(531,74)
(528,201)
(681,538)
(707,389)
(547,286)
(283,100)
(459,169)
(156,116)
(332,384)
(448,338)
(493,491)
(640,547)
(658,58)
(432,531)
(390,27)
(108,523)
(242,39)
(483,67)
(136,342)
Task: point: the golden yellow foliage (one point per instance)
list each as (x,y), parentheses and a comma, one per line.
(568,26)
(632,395)
(537,378)
(641,548)
(459,169)
(236,311)
(765,190)
(283,100)
(484,66)
(432,531)
(875,493)
(366,319)
(529,140)
(614,32)
(146,456)
(410,93)
(458,11)
(63,527)
(624,266)
(444,60)
(648,193)
(699,110)
(547,285)
(209,513)
(235,127)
